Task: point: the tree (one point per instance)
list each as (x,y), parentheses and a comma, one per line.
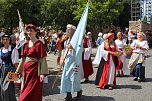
(145,19)
(101,13)
(151,20)
(57,13)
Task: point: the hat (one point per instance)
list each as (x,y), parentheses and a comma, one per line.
(31,26)
(89,33)
(108,35)
(100,34)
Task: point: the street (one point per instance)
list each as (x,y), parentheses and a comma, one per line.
(126,89)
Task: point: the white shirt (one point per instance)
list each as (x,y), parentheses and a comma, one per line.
(120,43)
(143,44)
(14,55)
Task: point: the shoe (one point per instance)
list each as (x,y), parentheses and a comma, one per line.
(122,74)
(86,81)
(68,99)
(110,88)
(79,95)
(141,80)
(118,75)
(135,79)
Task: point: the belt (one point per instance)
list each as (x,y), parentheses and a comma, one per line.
(28,59)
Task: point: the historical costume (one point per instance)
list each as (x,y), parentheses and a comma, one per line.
(122,59)
(9,57)
(72,73)
(33,66)
(106,58)
(86,59)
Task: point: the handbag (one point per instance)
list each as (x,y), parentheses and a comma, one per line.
(11,76)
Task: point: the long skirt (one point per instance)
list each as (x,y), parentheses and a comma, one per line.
(99,71)
(32,87)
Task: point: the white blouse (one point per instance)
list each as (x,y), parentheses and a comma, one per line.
(120,43)
(143,44)
(14,55)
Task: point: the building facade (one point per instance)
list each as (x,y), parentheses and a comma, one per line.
(141,9)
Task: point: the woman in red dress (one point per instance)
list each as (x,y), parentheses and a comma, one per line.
(33,67)
(86,59)
(106,75)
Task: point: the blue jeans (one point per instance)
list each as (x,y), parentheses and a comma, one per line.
(140,71)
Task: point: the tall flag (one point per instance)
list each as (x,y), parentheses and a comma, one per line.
(77,38)
(22,37)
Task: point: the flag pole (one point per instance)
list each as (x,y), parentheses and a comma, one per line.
(75,36)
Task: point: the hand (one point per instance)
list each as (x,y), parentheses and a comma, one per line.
(61,61)
(18,74)
(137,46)
(41,78)
(69,46)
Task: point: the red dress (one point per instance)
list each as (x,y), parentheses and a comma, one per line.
(104,77)
(120,64)
(87,64)
(32,89)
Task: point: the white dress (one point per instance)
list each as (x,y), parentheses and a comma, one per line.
(120,44)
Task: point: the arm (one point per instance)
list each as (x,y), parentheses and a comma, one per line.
(62,57)
(15,57)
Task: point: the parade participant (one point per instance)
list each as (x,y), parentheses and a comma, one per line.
(86,59)
(120,42)
(139,46)
(89,35)
(59,48)
(33,67)
(70,80)
(106,58)
(9,60)
(99,39)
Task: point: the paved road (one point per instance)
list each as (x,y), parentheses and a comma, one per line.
(126,90)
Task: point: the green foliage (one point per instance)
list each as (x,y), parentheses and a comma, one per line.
(58,13)
(145,19)
(151,20)
(101,13)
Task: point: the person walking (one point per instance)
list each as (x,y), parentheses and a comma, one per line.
(71,76)
(86,59)
(33,66)
(122,65)
(106,58)
(9,59)
(139,48)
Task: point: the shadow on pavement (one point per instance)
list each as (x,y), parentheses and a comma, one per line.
(89,82)
(47,87)
(148,80)
(148,56)
(96,98)
(128,86)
